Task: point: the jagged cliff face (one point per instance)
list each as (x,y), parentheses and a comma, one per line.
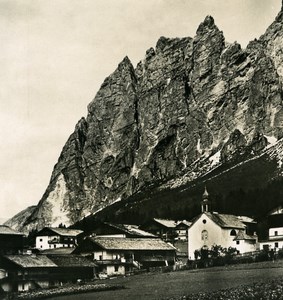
(191,105)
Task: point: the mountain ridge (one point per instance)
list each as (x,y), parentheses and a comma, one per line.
(191,104)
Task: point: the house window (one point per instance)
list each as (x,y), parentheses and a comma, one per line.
(238,242)
(204,221)
(275,232)
(100,257)
(276,245)
(204,235)
(116,268)
(233,232)
(40,240)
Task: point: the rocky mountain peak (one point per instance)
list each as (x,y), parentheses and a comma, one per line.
(206,26)
(191,106)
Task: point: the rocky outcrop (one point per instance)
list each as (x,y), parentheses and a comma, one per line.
(190,105)
(20,218)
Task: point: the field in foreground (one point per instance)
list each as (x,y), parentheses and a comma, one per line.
(177,284)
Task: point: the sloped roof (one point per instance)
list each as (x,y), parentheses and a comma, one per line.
(243,236)
(166,223)
(185,222)
(58,251)
(226,221)
(131,243)
(7,230)
(71,261)
(61,231)
(246,219)
(31,261)
(131,229)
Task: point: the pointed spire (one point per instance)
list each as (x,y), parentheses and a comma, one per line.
(205,203)
(205,193)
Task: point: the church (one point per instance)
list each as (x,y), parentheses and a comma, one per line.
(212,228)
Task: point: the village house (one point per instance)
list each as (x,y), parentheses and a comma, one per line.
(50,237)
(71,267)
(11,241)
(275,231)
(181,239)
(211,228)
(25,272)
(28,271)
(118,256)
(163,228)
(182,230)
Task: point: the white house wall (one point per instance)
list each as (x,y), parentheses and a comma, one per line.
(42,242)
(272,244)
(111,270)
(194,235)
(111,235)
(216,236)
(104,255)
(273,231)
(245,246)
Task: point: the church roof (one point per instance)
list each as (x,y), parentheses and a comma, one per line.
(226,221)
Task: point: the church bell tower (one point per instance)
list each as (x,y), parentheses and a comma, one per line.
(205,203)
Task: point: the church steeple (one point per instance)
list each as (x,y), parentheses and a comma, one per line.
(205,203)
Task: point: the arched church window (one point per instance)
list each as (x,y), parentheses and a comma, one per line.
(233,232)
(204,235)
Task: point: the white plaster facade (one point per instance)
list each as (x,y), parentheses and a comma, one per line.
(205,232)
(275,239)
(112,270)
(52,242)
(244,246)
(271,244)
(275,232)
(112,262)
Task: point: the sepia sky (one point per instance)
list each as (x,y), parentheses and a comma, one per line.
(55,54)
